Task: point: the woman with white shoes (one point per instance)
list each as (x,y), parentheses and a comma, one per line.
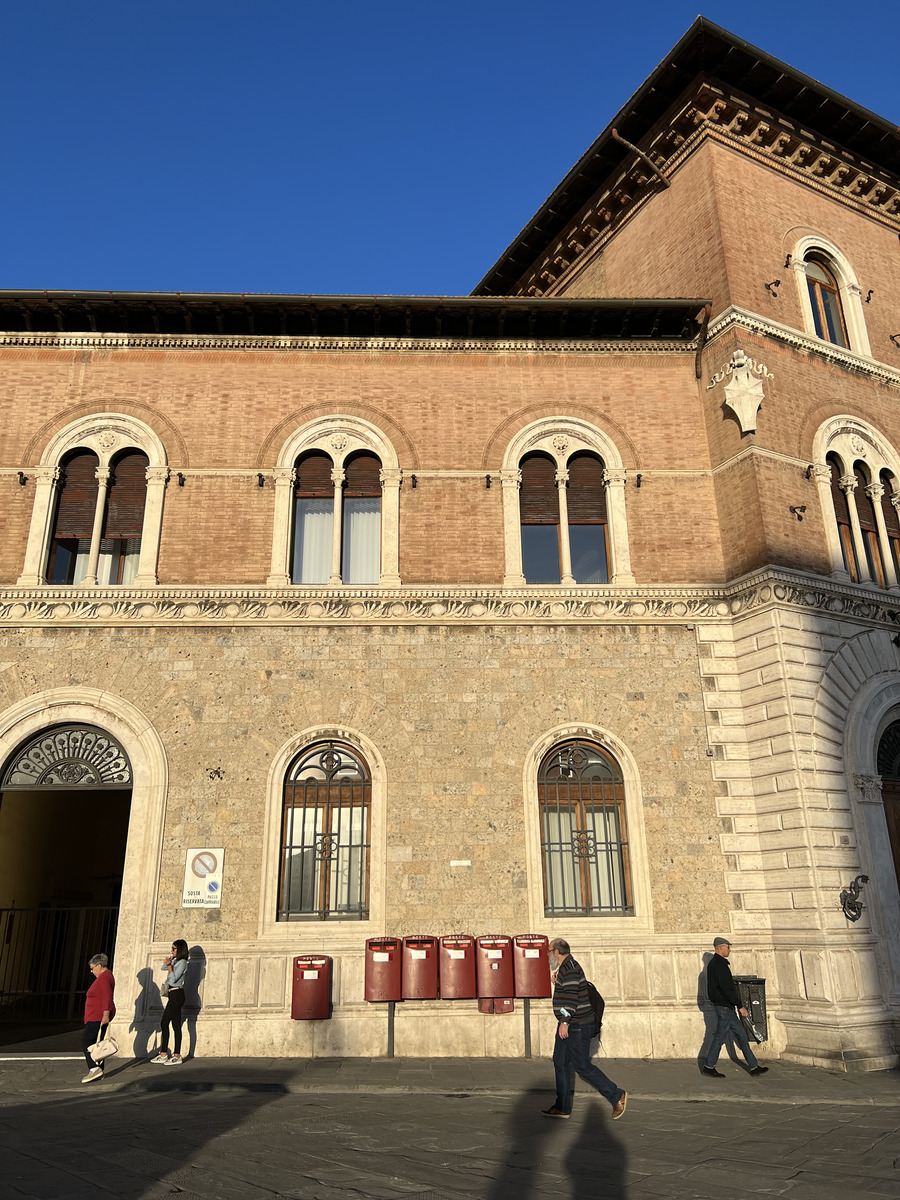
(99,1010)
(176,965)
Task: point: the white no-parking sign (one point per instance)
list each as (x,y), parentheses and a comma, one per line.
(203,878)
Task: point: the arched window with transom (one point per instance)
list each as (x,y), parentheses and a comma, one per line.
(825,301)
(325,840)
(584,843)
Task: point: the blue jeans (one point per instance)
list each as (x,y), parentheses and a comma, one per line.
(571,1056)
(728,1022)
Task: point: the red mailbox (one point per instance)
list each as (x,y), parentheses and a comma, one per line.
(383,965)
(531,966)
(311,988)
(493,963)
(457,958)
(420,968)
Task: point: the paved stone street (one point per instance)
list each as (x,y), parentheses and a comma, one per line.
(244,1130)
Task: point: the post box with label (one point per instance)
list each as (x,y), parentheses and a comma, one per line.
(493,966)
(531,966)
(383,969)
(420,968)
(311,988)
(457,959)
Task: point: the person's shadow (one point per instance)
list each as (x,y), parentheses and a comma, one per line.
(596,1162)
(709,1017)
(193,997)
(143,1027)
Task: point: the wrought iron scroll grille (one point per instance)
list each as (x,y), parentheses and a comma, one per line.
(325,835)
(70,756)
(584,848)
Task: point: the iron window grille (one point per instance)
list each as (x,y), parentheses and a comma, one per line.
(325,836)
(584,848)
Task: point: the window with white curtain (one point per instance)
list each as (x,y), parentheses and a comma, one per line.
(361,541)
(313,519)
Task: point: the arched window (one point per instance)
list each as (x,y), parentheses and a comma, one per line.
(824,298)
(123,522)
(313,519)
(584,846)
(868,525)
(361,542)
(539,516)
(74,521)
(586,504)
(325,838)
(842,516)
(891,519)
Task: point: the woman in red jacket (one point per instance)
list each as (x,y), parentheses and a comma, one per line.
(99,1010)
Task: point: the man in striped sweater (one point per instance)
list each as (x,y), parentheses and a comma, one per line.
(572,1049)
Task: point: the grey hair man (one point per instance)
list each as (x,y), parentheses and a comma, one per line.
(574,1030)
(723,995)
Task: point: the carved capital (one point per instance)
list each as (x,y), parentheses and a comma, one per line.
(157,475)
(390,476)
(869,788)
(511,479)
(337,477)
(562,478)
(614,477)
(848,484)
(284,476)
(822,473)
(102,474)
(46,475)
(875,491)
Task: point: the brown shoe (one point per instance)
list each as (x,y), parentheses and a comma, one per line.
(619,1110)
(553,1111)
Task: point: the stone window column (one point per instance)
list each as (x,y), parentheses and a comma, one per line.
(875,491)
(511,481)
(280,575)
(391,478)
(620,553)
(565,551)
(822,473)
(337,478)
(103,474)
(848,487)
(37,552)
(148,565)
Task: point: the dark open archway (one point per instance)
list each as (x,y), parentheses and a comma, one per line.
(65,799)
(889,770)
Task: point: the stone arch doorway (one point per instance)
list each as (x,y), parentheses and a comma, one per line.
(65,800)
(889,770)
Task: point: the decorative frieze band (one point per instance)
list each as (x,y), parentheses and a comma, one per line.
(300,605)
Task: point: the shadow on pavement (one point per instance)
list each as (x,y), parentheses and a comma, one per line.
(581,1155)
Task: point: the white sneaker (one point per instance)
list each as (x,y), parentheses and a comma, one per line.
(93,1073)
(160,1058)
(175,1060)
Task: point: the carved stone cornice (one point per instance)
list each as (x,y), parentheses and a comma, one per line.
(741,318)
(730,119)
(203,342)
(100,607)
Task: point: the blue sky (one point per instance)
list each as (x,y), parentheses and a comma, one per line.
(284,146)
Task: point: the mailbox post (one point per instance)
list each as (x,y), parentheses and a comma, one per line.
(383,978)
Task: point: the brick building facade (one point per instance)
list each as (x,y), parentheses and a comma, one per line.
(535,610)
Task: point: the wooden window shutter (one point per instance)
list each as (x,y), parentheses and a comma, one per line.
(538,498)
(838,495)
(864,506)
(127,496)
(891,520)
(77,496)
(361,474)
(314,475)
(586,494)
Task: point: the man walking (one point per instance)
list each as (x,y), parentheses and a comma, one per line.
(723,995)
(572,1049)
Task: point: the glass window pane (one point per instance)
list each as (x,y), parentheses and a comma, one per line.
(587,545)
(833,317)
(313,519)
(563,881)
(361,558)
(814,301)
(540,553)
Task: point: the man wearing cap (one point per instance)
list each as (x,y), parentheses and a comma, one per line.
(723,996)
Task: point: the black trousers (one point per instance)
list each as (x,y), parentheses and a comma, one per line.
(92,1033)
(172,1015)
